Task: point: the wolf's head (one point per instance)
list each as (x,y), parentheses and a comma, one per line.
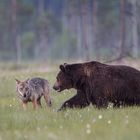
(22,87)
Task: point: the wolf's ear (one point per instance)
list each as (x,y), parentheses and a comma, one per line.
(27,80)
(17,81)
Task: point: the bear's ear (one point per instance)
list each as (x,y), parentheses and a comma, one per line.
(62,68)
(65,68)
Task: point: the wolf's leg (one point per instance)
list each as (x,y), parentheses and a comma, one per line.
(48,99)
(78,101)
(36,103)
(24,105)
(39,102)
(46,95)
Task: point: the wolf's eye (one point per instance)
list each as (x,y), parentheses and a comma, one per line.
(26,88)
(20,88)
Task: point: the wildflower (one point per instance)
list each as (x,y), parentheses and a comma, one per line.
(100,116)
(110,105)
(109,121)
(126,122)
(52,136)
(126,116)
(94,120)
(88,131)
(38,129)
(88,125)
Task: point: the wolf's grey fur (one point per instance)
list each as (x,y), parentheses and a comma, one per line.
(32,90)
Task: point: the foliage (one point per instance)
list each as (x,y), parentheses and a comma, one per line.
(49,24)
(59,17)
(64,46)
(28,41)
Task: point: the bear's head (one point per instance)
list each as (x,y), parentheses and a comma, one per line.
(64,79)
(70,76)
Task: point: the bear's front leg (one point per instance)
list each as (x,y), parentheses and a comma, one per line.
(78,101)
(101,102)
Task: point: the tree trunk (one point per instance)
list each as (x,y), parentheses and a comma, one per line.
(85,31)
(18,44)
(42,46)
(134,29)
(122,30)
(15,37)
(95,29)
(90,29)
(79,30)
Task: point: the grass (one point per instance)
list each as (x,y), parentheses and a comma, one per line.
(48,124)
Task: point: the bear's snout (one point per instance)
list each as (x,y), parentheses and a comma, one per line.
(56,87)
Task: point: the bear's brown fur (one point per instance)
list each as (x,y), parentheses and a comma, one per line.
(99,84)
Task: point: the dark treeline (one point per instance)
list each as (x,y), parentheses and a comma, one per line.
(69,29)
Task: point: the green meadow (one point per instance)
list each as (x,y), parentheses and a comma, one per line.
(48,124)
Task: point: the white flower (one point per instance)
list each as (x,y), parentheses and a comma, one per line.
(126,116)
(38,129)
(110,105)
(88,131)
(126,122)
(88,125)
(94,120)
(109,121)
(25,136)
(52,136)
(100,116)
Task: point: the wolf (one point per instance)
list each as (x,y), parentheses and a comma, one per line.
(31,90)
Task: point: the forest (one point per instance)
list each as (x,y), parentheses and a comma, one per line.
(69,29)
(44,39)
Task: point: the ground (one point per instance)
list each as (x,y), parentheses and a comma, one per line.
(88,123)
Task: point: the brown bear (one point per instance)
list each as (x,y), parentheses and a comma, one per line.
(99,84)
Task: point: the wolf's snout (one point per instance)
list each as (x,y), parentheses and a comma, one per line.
(24,95)
(50,103)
